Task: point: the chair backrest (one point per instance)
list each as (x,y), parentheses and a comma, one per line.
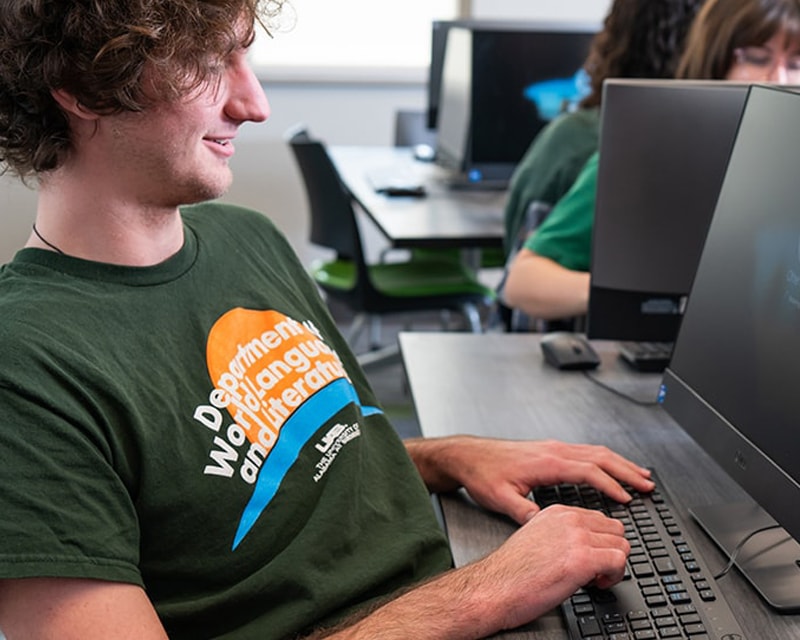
(333,222)
(515,320)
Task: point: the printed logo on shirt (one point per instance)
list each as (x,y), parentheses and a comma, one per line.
(279,382)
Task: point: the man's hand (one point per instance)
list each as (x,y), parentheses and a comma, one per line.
(544,562)
(558,551)
(499,474)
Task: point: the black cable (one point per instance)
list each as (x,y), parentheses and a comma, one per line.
(603,385)
(738,548)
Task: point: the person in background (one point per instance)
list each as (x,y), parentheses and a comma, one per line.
(189,447)
(744,40)
(639,39)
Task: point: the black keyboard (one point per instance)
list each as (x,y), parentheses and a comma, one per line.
(668,591)
(646,356)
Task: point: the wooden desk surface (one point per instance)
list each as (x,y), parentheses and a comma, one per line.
(499,385)
(444,218)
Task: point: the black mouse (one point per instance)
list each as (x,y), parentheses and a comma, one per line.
(564,350)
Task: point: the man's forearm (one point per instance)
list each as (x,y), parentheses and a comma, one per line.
(448,606)
(537,567)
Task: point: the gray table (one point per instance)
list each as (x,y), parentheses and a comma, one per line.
(444,218)
(498,385)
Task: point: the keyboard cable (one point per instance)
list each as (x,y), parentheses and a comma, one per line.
(740,546)
(621,394)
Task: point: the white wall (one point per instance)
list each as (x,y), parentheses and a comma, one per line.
(574,10)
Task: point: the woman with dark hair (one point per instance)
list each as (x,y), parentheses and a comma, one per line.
(744,40)
(639,39)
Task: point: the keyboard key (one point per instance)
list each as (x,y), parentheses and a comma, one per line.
(664,566)
(589,626)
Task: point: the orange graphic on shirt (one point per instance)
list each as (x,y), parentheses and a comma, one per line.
(266,365)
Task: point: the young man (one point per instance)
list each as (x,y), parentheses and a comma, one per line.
(189,448)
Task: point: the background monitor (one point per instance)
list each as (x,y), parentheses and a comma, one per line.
(731,382)
(664,147)
(500,84)
(439,29)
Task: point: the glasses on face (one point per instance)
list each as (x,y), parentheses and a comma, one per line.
(763,61)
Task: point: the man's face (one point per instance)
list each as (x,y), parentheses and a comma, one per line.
(177,153)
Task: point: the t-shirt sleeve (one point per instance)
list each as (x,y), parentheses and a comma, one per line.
(566,234)
(64,512)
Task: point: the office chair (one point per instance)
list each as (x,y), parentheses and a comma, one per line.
(515,320)
(372,291)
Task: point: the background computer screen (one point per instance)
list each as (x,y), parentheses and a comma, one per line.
(664,147)
(439,29)
(731,383)
(507,80)
(452,132)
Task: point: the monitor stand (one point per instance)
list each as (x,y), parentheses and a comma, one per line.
(769,560)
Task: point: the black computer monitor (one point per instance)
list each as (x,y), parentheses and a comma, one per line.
(439,29)
(500,84)
(664,146)
(731,381)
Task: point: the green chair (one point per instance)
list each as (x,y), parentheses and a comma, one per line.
(373,291)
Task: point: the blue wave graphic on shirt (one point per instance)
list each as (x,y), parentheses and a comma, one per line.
(295,433)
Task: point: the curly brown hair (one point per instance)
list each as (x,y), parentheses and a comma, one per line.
(97,51)
(725,25)
(640,39)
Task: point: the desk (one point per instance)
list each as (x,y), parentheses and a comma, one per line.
(498,385)
(444,218)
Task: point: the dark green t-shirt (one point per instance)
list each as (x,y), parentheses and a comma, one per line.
(550,166)
(201,429)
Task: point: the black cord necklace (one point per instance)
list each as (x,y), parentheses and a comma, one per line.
(49,244)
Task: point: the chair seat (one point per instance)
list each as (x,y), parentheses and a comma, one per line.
(414,278)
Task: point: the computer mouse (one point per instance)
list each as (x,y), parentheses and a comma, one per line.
(565,350)
(424,152)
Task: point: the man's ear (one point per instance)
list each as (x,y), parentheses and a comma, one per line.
(72,105)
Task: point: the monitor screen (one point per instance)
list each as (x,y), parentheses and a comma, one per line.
(500,84)
(664,146)
(730,383)
(439,30)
